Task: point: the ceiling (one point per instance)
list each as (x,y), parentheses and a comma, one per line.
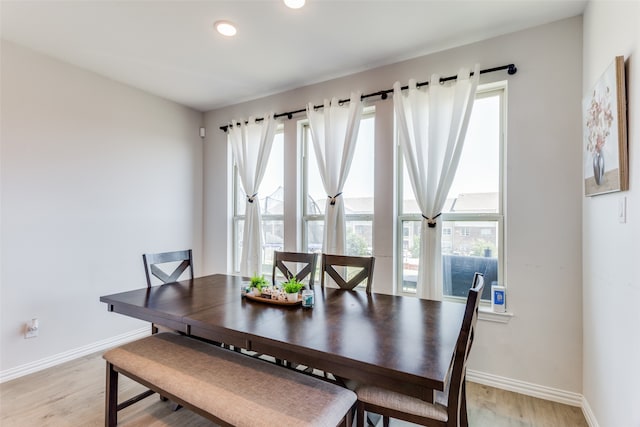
(170,49)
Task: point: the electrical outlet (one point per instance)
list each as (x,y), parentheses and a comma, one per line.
(31,329)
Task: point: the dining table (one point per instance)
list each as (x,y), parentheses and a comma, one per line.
(401,343)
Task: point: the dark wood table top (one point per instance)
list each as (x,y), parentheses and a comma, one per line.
(402,343)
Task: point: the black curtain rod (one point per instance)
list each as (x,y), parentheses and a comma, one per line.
(383,94)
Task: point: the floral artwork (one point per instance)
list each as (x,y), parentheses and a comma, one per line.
(599,120)
(604,126)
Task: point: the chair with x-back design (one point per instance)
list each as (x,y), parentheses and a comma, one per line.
(284,261)
(152,269)
(177,262)
(329,262)
(449,408)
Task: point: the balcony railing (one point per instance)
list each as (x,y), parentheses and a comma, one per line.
(457,275)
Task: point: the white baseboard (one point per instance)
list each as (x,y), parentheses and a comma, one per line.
(536,390)
(529,389)
(588,414)
(66,356)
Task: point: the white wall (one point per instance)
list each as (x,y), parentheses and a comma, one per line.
(611,250)
(94,173)
(542,345)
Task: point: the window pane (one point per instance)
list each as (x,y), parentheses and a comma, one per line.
(476,185)
(358,189)
(316,196)
(467,247)
(410,254)
(409,203)
(359,238)
(477,182)
(237,247)
(240,198)
(273,232)
(358,194)
(471,246)
(271,203)
(314,233)
(273,241)
(272,185)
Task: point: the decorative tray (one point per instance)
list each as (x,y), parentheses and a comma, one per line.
(272,301)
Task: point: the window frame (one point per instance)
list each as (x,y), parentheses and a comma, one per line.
(485,90)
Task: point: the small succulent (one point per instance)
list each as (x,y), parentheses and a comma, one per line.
(259,282)
(292,286)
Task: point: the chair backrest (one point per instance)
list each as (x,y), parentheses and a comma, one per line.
(463,347)
(151,262)
(309,268)
(365,263)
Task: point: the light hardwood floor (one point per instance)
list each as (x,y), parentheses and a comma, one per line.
(72,395)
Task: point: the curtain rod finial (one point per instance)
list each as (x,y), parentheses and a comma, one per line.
(512,69)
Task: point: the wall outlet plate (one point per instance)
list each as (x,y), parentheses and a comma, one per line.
(31,329)
(622,210)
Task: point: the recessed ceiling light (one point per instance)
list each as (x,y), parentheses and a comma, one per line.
(294,4)
(225,28)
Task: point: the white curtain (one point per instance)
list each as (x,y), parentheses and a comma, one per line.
(432,124)
(334,131)
(251,144)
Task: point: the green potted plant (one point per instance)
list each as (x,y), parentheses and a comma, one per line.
(292,288)
(257,283)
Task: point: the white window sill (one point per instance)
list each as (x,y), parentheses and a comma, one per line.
(485,313)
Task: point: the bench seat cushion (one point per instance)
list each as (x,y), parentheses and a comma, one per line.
(237,389)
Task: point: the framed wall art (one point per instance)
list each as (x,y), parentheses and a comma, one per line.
(604,121)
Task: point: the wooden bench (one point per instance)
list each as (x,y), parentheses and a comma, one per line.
(226,387)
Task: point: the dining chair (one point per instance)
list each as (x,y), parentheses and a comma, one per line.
(283,261)
(450,406)
(329,262)
(169,259)
(175,264)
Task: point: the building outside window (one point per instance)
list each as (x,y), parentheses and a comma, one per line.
(271,207)
(472,218)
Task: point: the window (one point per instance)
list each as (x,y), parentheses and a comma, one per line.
(472,219)
(357,194)
(271,207)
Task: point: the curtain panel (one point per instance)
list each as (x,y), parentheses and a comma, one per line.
(432,125)
(251,144)
(334,132)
